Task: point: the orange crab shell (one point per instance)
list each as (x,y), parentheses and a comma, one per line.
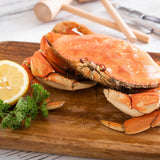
(118,63)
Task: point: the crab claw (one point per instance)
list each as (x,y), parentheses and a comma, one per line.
(143,107)
(121,101)
(134,104)
(26,66)
(32,79)
(43,71)
(39,66)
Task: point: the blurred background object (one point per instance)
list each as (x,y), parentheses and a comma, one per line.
(47,10)
(146,21)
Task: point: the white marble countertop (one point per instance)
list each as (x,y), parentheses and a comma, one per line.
(18,23)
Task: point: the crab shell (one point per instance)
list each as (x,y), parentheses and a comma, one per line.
(112,62)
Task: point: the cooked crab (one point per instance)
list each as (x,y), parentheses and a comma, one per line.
(67,59)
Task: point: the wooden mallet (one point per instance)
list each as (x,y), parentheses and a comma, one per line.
(46,10)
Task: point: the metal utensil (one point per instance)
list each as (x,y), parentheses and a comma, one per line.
(150,26)
(148,22)
(137,14)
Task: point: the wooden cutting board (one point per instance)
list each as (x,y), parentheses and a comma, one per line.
(75,129)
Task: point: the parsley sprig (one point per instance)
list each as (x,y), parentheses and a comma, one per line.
(26,109)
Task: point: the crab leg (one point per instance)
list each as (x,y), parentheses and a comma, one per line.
(143,107)
(139,124)
(136,124)
(55,105)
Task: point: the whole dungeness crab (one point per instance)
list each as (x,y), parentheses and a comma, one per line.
(73,60)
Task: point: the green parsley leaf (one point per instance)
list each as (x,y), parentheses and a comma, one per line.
(25,110)
(39,93)
(43,109)
(3,108)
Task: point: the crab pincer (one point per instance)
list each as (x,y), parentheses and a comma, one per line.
(144,107)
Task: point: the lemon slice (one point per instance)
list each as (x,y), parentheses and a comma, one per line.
(14,81)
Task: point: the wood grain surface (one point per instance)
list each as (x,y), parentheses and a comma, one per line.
(75,129)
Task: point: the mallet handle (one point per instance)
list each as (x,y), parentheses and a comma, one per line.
(119,21)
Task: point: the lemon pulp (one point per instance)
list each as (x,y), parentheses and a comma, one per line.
(13,81)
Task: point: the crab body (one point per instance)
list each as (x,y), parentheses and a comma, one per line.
(72,60)
(111,62)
